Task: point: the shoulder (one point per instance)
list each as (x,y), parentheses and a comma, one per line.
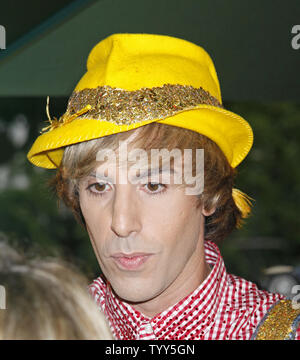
(282,322)
(246,305)
(249,297)
(258,305)
(97,289)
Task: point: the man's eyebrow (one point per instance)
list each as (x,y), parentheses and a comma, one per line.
(150,171)
(97,176)
(146,173)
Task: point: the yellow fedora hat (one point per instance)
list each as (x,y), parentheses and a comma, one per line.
(135,79)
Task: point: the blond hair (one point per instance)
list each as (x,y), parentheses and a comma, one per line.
(80,159)
(46,300)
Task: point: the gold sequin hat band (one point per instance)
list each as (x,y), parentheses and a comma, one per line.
(135,79)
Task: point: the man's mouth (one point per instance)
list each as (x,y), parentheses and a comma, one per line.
(132,261)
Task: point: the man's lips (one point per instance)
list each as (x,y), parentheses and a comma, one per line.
(131,261)
(117,255)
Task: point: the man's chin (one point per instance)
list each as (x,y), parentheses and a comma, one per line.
(134,295)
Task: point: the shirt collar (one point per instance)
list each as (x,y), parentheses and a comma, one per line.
(174,322)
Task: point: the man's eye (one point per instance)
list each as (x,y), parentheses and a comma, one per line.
(99,188)
(155,188)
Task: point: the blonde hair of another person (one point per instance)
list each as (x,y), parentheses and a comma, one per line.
(46,299)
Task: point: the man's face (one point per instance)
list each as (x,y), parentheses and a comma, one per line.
(148,238)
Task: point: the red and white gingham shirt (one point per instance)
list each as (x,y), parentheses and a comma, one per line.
(223,307)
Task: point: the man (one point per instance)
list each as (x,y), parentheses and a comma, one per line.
(154,225)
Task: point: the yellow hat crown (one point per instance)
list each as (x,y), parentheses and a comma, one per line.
(135,79)
(135,61)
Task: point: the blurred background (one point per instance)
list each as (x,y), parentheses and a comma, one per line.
(255,46)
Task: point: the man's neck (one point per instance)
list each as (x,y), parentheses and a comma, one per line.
(189,280)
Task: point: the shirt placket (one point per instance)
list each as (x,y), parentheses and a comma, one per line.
(146,331)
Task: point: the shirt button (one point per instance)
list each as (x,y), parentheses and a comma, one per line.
(148,328)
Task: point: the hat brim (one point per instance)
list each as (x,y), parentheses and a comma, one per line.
(228,130)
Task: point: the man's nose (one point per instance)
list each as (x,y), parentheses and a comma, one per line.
(125,216)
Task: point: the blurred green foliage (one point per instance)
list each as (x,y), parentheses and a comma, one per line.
(270,174)
(33,220)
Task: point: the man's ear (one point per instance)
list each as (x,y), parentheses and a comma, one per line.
(209,212)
